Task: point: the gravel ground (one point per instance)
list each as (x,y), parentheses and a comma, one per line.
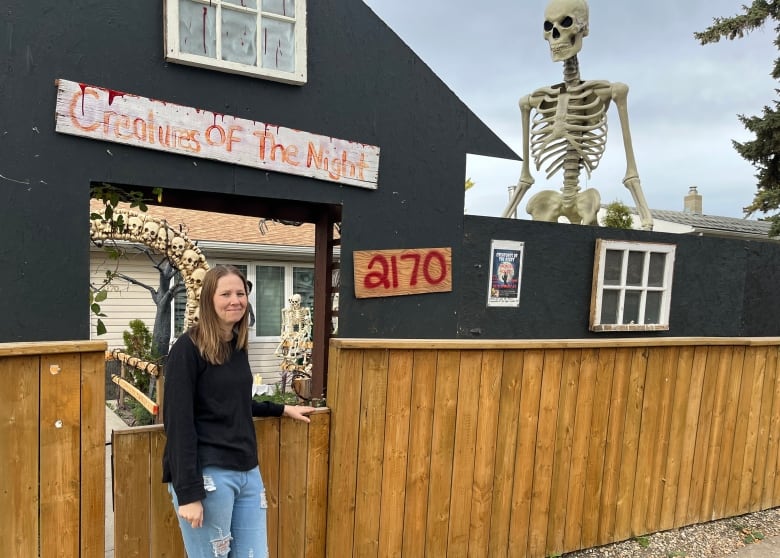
(715,539)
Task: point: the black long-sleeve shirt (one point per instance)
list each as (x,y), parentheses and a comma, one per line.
(207,411)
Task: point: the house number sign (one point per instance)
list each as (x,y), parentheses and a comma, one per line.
(402,272)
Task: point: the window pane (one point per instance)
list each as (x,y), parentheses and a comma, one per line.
(609,306)
(631,307)
(278,45)
(239,35)
(653,307)
(303,284)
(613,267)
(280,7)
(245,3)
(636,267)
(269,289)
(657,266)
(197,29)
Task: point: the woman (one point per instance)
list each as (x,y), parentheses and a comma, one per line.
(210,460)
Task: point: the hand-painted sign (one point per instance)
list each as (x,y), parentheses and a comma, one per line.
(107,115)
(402,272)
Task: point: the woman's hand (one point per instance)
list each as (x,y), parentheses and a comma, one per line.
(192,513)
(298,412)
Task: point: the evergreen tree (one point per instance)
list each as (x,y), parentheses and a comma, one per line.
(618,216)
(762,152)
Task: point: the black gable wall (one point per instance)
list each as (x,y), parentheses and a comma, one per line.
(364,85)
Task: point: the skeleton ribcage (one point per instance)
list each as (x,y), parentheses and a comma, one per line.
(569,126)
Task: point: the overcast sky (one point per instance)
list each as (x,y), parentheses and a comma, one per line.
(683,100)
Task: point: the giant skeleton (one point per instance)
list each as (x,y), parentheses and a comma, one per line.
(569,128)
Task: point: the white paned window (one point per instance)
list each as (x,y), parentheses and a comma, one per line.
(632,286)
(261,38)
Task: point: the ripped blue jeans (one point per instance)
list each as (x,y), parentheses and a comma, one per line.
(234,521)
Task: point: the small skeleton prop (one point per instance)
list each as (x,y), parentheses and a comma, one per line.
(157,235)
(569,128)
(295,344)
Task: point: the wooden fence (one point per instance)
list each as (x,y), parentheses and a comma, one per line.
(52,449)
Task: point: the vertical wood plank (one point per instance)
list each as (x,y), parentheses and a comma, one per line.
(731,411)
(132,468)
(442,451)
(60,468)
(317,484)
(419,461)
(594,473)
(659,455)
(165,533)
(741,433)
(525,459)
(345,422)
(93,454)
(761,473)
(754,421)
(567,413)
(707,511)
(293,451)
(506,452)
(485,459)
(19,408)
(703,429)
(370,452)
(636,389)
(396,451)
(545,451)
(773,448)
(269,439)
(466,419)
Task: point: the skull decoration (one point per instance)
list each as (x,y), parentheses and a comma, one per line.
(164,235)
(150,229)
(565,25)
(135,227)
(295,301)
(194,281)
(190,260)
(176,247)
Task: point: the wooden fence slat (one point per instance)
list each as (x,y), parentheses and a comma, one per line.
(60,467)
(293,452)
(19,491)
(767,497)
(524,471)
(545,452)
(567,414)
(345,422)
(164,531)
(467,417)
(636,388)
(419,463)
(485,459)
(659,449)
(613,451)
(317,483)
(399,393)
(512,374)
(93,454)
(754,418)
(730,412)
(599,423)
(268,433)
(132,465)
(764,418)
(442,451)
(741,433)
(373,400)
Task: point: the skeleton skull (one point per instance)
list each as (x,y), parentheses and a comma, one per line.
(176,247)
(194,280)
(565,25)
(135,227)
(190,260)
(295,301)
(163,236)
(150,229)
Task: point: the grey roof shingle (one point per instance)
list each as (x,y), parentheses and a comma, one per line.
(714,222)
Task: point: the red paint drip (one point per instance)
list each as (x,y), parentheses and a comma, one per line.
(113,94)
(205,12)
(83,88)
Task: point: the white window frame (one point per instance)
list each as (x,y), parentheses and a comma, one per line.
(174,54)
(602,246)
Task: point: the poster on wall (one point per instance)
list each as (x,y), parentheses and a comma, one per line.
(506,264)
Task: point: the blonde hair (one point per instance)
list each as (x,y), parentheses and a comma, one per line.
(206,334)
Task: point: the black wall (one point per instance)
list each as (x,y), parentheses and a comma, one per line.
(721,287)
(364,85)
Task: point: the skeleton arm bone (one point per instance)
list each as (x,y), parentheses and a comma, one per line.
(526,180)
(631,180)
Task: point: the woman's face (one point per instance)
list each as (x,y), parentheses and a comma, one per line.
(230,300)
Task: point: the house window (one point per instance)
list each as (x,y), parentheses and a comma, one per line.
(632,286)
(260,38)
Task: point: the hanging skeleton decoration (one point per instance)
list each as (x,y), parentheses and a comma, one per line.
(569,128)
(295,344)
(157,235)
